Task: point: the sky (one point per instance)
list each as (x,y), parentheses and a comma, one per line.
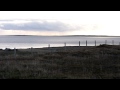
(60,23)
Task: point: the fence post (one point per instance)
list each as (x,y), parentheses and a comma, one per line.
(49,47)
(95,42)
(65,46)
(79,43)
(31,50)
(86,42)
(112,42)
(5,49)
(15,52)
(105,41)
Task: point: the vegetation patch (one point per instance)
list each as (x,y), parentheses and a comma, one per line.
(101,62)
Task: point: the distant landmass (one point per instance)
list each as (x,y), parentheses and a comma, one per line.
(67,35)
(94,35)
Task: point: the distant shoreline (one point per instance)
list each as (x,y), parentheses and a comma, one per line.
(63,47)
(65,35)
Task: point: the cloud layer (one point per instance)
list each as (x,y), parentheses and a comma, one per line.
(35,25)
(46,27)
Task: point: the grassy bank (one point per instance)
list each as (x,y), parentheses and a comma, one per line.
(100,62)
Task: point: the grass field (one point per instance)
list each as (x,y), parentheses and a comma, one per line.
(100,62)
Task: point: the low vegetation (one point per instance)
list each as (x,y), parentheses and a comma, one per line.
(100,62)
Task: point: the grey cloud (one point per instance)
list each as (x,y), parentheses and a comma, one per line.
(5,20)
(35,25)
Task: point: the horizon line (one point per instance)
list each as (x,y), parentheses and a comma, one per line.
(65,35)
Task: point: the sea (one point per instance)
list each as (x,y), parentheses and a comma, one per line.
(27,41)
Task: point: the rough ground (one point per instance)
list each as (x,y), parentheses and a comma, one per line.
(100,62)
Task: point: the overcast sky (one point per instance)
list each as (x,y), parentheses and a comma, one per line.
(59,22)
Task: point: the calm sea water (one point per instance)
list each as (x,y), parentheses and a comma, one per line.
(54,41)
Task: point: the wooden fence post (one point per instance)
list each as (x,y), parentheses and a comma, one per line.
(95,42)
(15,52)
(65,46)
(86,42)
(49,47)
(112,42)
(31,50)
(105,41)
(79,43)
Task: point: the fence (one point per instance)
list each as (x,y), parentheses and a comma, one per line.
(65,46)
(86,43)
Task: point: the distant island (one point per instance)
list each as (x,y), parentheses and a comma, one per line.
(67,35)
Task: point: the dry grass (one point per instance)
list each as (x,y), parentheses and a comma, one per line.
(101,62)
